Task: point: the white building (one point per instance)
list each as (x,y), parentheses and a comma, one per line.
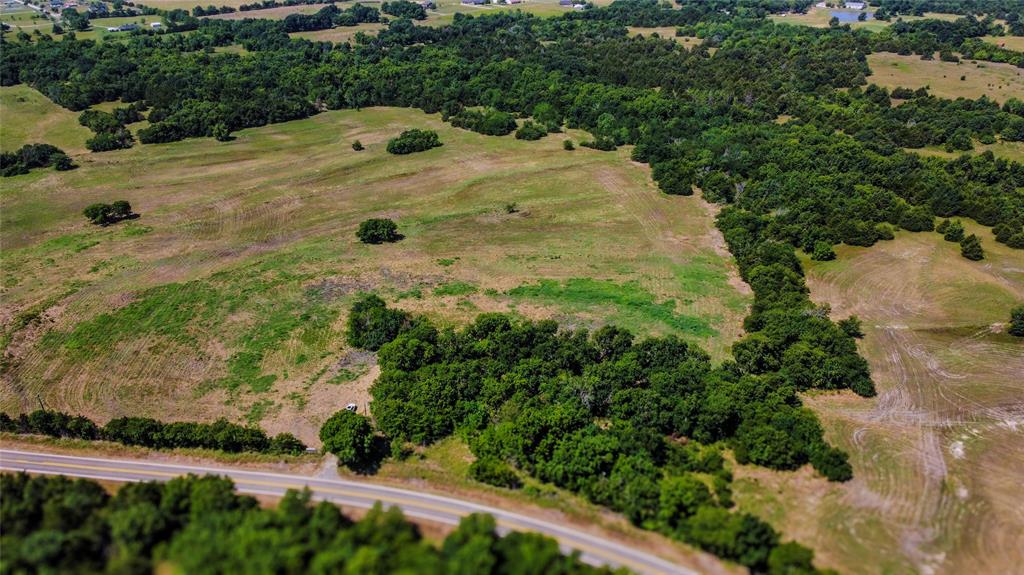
(855,5)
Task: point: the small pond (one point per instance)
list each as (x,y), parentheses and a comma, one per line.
(849,17)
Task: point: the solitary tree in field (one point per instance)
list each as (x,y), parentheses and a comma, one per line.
(349,436)
(99,214)
(1017,321)
(378,231)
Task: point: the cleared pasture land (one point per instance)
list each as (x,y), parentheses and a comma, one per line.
(999,82)
(340,34)
(228,296)
(819,18)
(939,454)
(28,117)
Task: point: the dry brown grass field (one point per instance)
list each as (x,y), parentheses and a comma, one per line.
(227,297)
(997,81)
(939,454)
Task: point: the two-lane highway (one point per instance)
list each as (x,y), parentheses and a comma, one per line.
(593,549)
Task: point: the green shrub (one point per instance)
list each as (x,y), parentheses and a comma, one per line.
(488,122)
(378,231)
(531,131)
(970,248)
(414,140)
(823,252)
(491,471)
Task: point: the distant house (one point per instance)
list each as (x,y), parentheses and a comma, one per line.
(474,2)
(855,5)
(821,5)
(155,25)
(128,27)
(113,28)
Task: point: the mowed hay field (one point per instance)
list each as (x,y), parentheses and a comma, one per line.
(938,456)
(999,82)
(228,296)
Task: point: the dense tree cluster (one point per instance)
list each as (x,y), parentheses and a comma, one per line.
(411,141)
(488,122)
(146,432)
(404,9)
(635,426)
(330,16)
(200,525)
(31,156)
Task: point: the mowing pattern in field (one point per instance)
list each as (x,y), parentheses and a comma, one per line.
(999,82)
(228,296)
(939,455)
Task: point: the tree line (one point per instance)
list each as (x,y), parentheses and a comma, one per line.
(220,435)
(200,525)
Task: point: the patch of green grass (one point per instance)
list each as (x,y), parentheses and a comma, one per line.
(414,293)
(346,375)
(630,298)
(165,311)
(31,118)
(446,262)
(455,289)
(135,230)
(258,410)
(246,365)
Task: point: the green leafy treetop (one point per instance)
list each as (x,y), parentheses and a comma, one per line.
(970,248)
(378,231)
(349,436)
(1017,321)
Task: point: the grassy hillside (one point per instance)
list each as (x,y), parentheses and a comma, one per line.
(31,118)
(938,455)
(228,295)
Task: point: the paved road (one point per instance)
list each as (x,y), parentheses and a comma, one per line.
(595,550)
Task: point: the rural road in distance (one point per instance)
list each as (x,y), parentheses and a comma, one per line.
(593,549)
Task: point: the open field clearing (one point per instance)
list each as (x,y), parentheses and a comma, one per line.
(1008,42)
(819,18)
(340,34)
(667,32)
(23,19)
(939,454)
(227,297)
(997,81)
(1009,150)
(26,116)
(271,13)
